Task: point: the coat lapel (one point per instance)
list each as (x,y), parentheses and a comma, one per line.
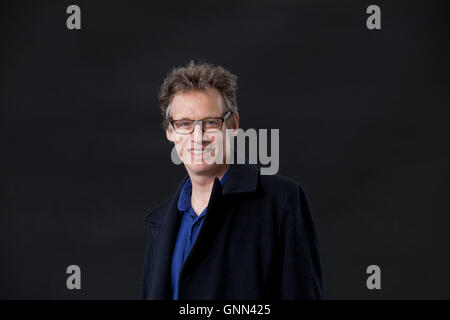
(241,179)
(213,216)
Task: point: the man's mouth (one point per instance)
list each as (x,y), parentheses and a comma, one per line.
(199,150)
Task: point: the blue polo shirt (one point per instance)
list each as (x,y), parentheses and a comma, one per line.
(187,233)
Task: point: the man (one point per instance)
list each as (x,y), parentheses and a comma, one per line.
(227,232)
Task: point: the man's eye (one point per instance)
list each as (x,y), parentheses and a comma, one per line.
(184,124)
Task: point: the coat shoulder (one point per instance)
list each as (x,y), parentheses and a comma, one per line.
(288,195)
(280,184)
(156,214)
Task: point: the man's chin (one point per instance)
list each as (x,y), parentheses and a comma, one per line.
(200,167)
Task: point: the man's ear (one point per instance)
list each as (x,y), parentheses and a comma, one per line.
(169,133)
(235,124)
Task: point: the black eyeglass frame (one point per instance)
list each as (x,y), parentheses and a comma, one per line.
(201,123)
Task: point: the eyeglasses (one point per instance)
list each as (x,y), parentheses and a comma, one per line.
(209,125)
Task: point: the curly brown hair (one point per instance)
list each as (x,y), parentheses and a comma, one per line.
(198,77)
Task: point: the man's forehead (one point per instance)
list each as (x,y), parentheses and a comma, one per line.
(201,103)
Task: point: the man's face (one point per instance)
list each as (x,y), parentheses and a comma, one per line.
(201,152)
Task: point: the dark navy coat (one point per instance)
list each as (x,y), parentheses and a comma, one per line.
(258,241)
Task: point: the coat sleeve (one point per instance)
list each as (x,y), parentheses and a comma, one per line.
(301,273)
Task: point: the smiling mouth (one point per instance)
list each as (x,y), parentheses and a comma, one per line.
(200,151)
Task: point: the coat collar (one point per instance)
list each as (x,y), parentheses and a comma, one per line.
(242,178)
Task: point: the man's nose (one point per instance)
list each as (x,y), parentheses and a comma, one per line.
(198,132)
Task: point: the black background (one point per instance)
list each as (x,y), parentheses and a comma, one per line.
(363,118)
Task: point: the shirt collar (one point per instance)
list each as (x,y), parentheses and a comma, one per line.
(184,201)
